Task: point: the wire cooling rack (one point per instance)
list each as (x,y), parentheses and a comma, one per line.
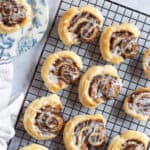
(130,71)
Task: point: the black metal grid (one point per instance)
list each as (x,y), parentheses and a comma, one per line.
(130,71)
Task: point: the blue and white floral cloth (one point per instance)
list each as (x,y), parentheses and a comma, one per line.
(9,106)
(15,44)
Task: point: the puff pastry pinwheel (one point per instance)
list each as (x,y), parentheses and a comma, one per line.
(34,147)
(119,42)
(61,69)
(129,140)
(83,132)
(43,118)
(99,84)
(146,63)
(14,15)
(80,25)
(137,104)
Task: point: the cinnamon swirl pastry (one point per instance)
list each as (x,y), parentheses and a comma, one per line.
(137,104)
(146,63)
(43,118)
(99,84)
(83,132)
(14,15)
(119,42)
(61,69)
(129,140)
(80,25)
(34,147)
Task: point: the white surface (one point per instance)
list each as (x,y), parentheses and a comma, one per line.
(24,65)
(140,5)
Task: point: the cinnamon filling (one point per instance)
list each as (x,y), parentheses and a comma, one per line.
(133,145)
(123,43)
(12,13)
(148,63)
(140,102)
(90,134)
(64,70)
(49,120)
(104,86)
(84,27)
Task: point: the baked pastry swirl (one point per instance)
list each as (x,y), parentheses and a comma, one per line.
(137,104)
(80,25)
(146,63)
(14,14)
(43,118)
(83,132)
(129,140)
(61,69)
(99,84)
(34,147)
(119,42)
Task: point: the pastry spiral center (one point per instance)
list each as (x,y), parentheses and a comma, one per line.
(140,103)
(12,13)
(104,86)
(84,27)
(89,134)
(133,145)
(123,43)
(49,120)
(64,70)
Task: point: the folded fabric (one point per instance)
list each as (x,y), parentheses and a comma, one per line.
(6,76)
(7,120)
(9,106)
